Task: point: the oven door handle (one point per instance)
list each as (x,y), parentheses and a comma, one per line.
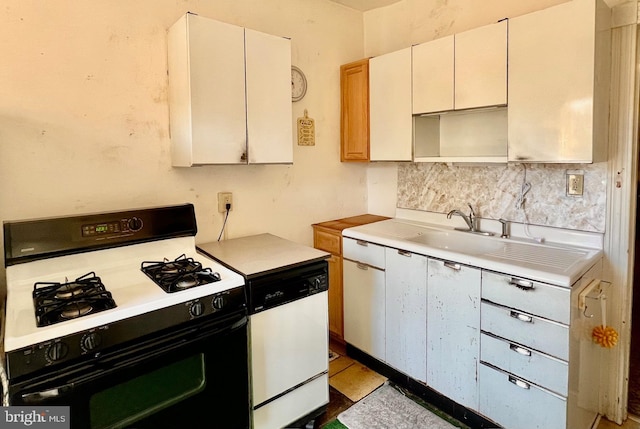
(44,395)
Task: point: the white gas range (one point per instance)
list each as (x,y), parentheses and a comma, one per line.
(110,292)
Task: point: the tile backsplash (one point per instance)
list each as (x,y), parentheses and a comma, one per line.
(493,191)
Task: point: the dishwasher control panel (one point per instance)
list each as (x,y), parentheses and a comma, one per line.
(287,285)
(318,283)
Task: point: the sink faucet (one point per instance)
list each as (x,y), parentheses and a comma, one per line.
(470,220)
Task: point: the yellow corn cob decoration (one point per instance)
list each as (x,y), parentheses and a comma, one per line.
(606,336)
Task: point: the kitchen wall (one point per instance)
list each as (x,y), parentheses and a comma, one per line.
(84,118)
(491,189)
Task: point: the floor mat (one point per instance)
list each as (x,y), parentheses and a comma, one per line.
(388,408)
(356,381)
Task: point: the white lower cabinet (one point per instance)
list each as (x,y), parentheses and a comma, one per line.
(526,328)
(406,312)
(532,365)
(517,404)
(538,365)
(453,331)
(512,349)
(364,297)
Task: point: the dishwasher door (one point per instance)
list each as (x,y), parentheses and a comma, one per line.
(289,361)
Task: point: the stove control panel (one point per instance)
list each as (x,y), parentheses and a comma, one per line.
(126,225)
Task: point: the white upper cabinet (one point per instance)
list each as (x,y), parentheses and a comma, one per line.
(432,74)
(559,83)
(481,67)
(462,71)
(269,109)
(390,106)
(218,95)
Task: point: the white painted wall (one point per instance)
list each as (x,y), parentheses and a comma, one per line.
(84,119)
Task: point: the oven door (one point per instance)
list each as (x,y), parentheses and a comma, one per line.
(184,378)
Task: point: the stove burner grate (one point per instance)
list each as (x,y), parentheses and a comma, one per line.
(56,302)
(180,274)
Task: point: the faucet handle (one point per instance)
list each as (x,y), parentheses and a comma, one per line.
(505,228)
(472,213)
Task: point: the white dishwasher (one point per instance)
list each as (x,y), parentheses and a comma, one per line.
(286,286)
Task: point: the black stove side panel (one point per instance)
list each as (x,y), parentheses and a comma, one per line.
(31,240)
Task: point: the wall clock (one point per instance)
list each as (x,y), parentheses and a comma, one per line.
(298,84)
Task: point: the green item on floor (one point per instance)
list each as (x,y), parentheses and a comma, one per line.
(335,424)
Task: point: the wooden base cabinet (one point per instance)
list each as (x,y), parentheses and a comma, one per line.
(327,236)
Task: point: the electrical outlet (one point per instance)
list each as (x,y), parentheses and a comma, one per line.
(225,198)
(575,183)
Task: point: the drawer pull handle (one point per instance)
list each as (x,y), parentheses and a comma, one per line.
(404,253)
(452,265)
(520,350)
(519,382)
(362,266)
(362,243)
(522,284)
(521,317)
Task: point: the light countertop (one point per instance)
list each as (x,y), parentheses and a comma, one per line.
(556,263)
(259,254)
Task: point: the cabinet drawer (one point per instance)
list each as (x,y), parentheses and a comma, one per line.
(544,300)
(363,251)
(523,328)
(327,241)
(543,370)
(516,404)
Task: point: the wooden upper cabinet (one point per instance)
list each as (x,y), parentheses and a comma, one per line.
(354,111)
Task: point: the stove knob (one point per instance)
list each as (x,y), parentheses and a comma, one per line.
(196,309)
(135,224)
(218,302)
(91,341)
(57,351)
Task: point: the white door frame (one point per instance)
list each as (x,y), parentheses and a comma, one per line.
(619,239)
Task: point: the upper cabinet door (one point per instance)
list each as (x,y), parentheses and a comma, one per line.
(354,111)
(206,92)
(433,73)
(481,67)
(269,110)
(559,83)
(390,106)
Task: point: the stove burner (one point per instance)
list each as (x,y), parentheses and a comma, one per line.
(68,291)
(186,282)
(75,309)
(56,302)
(180,274)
